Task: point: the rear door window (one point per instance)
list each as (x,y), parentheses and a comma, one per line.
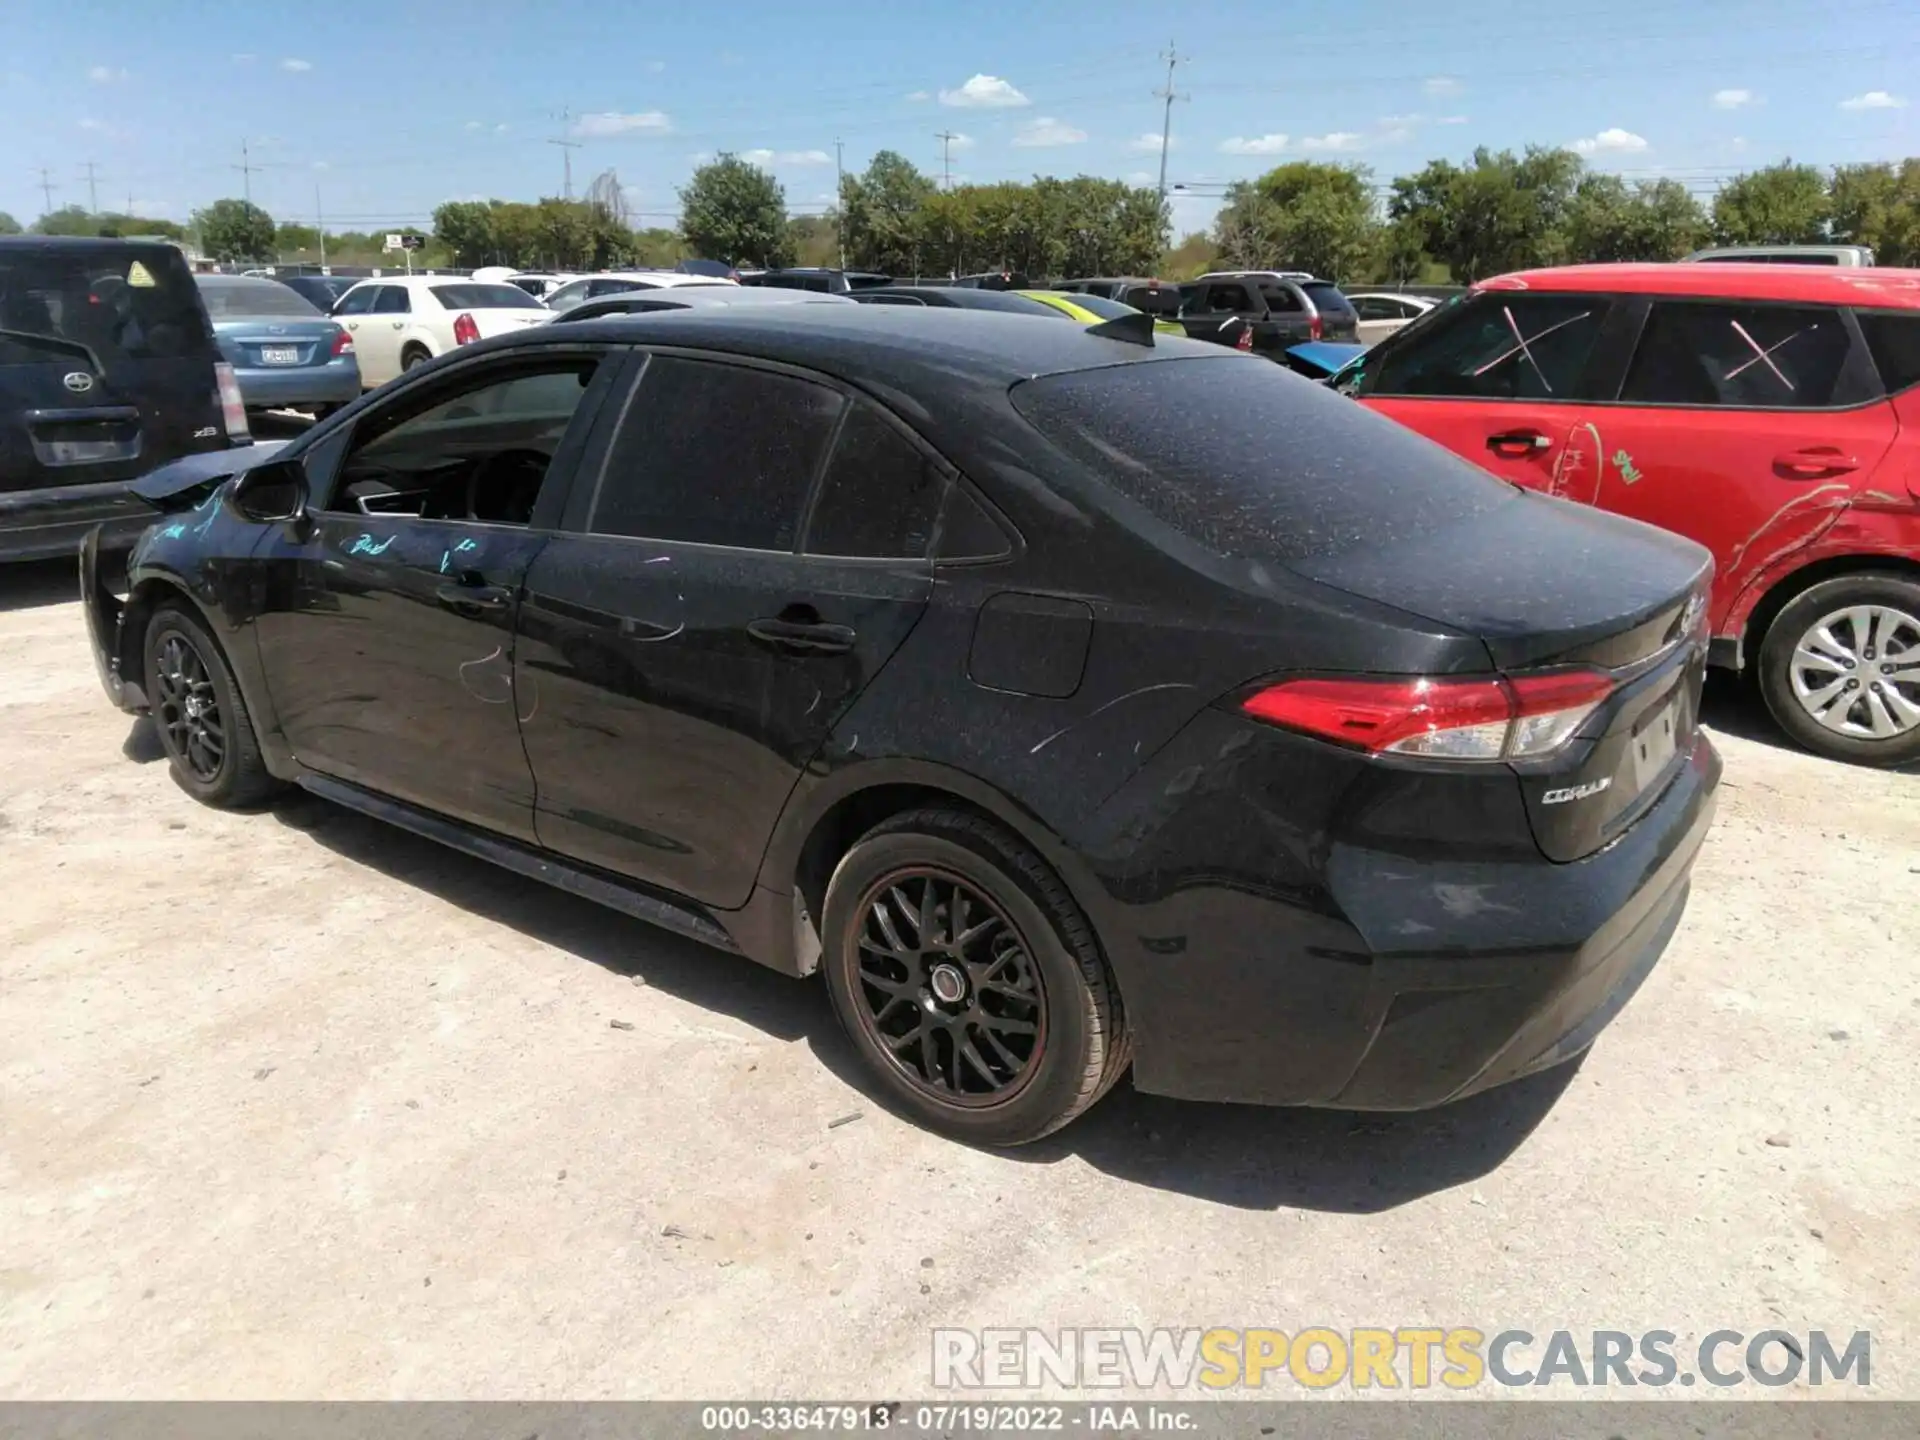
(879,497)
(1280,299)
(1502,346)
(131,302)
(1774,357)
(715,454)
(1894,341)
(1248,462)
(357,302)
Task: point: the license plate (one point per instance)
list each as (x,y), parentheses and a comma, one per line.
(279,355)
(1655,742)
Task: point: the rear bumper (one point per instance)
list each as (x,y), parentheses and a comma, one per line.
(104,613)
(36,524)
(335,383)
(1400,983)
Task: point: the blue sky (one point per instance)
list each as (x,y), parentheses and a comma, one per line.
(387,110)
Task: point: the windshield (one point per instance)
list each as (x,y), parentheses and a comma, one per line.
(484,297)
(1250,461)
(115,302)
(228,297)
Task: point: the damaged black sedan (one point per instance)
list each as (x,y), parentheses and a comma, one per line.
(1074,700)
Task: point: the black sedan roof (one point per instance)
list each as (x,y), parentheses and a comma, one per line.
(920,351)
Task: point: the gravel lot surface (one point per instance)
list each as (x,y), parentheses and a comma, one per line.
(295,1105)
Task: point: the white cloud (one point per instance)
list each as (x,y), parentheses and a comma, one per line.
(1141,177)
(150,207)
(106,75)
(1739,142)
(1254,145)
(961,142)
(1047,131)
(475,125)
(321,165)
(245,58)
(1613,141)
(1394,122)
(786,157)
(655,67)
(606,123)
(920,95)
(984,92)
(95,127)
(296,67)
(1336,140)
(1443,85)
(1874,100)
(1451,120)
(1148,143)
(501,128)
(1731,99)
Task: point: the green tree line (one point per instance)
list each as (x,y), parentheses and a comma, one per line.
(1449,220)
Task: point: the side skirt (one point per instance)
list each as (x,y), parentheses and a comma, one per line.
(592,885)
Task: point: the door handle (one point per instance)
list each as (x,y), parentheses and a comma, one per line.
(1814,463)
(399,324)
(1514,444)
(803,637)
(468,598)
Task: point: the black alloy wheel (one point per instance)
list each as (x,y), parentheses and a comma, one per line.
(969,980)
(948,989)
(187,710)
(196,707)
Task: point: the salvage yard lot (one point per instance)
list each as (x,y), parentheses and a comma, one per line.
(295,1105)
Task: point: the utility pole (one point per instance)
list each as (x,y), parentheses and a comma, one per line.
(1172,58)
(246,168)
(946,139)
(46,189)
(320,225)
(567,147)
(840,199)
(93,191)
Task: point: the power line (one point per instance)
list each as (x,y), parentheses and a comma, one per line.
(46,188)
(93,193)
(1172,57)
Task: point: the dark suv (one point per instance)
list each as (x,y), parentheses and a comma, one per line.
(107,369)
(1281,309)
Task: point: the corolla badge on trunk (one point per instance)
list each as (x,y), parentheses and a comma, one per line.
(78,381)
(1575,792)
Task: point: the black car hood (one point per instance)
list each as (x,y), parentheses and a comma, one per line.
(184,483)
(1537,579)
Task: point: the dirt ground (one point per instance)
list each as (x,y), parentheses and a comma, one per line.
(295,1105)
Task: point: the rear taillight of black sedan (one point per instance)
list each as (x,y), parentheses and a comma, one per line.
(1474,718)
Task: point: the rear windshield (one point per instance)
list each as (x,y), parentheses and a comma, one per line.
(1106,309)
(1326,297)
(1252,462)
(131,303)
(228,296)
(484,297)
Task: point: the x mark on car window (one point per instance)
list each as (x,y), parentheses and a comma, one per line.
(1764,356)
(1523,343)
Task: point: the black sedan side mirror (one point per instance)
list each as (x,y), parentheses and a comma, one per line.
(273,492)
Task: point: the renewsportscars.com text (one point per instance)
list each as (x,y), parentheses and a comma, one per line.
(1403,1357)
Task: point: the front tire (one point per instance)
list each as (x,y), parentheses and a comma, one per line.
(202,722)
(1840,669)
(969,980)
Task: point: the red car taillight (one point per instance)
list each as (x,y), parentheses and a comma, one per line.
(1315,329)
(1443,719)
(233,409)
(465,332)
(342,344)
(1245,342)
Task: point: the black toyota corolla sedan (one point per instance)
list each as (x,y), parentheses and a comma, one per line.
(1072,699)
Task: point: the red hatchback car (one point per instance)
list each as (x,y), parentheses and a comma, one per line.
(1769,412)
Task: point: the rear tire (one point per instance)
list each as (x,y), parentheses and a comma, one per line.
(969,980)
(414,355)
(1841,662)
(201,720)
